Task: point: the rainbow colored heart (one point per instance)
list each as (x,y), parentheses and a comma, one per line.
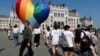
(35,14)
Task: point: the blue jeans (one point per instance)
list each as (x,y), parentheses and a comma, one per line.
(15,38)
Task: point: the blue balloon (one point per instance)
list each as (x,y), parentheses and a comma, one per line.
(33,22)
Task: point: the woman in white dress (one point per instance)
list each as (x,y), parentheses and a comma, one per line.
(55,33)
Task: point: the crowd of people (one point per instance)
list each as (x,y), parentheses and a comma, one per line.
(80,41)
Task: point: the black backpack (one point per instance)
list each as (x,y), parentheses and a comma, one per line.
(85,42)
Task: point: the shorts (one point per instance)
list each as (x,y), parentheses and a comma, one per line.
(77,40)
(37,38)
(70,49)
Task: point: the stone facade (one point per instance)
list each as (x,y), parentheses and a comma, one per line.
(62,15)
(6,20)
(58,13)
(85,21)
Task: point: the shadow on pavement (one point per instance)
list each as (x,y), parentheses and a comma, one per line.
(50,51)
(27,54)
(2,49)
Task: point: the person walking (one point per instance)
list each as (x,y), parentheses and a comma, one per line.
(37,32)
(15,35)
(27,36)
(55,34)
(94,39)
(78,38)
(47,32)
(86,42)
(68,51)
(43,33)
(9,32)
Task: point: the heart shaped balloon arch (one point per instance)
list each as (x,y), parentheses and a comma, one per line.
(35,14)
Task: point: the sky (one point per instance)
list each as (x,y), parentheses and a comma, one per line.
(84,7)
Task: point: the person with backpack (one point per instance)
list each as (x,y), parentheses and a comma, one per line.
(94,39)
(86,42)
(69,36)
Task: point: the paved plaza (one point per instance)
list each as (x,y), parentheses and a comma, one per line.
(7,49)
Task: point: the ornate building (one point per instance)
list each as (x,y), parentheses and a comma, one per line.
(6,20)
(62,16)
(59,14)
(86,21)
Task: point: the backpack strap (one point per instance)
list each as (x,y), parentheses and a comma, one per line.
(84,34)
(63,36)
(89,38)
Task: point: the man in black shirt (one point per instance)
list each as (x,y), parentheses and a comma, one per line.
(78,36)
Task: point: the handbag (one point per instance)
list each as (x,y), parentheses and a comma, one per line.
(63,41)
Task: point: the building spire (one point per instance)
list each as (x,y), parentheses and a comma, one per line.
(12,6)
(13,11)
(84,17)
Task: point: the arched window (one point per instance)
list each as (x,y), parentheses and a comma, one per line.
(59,24)
(62,25)
(55,23)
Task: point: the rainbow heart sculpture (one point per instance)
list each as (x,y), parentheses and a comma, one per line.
(35,14)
